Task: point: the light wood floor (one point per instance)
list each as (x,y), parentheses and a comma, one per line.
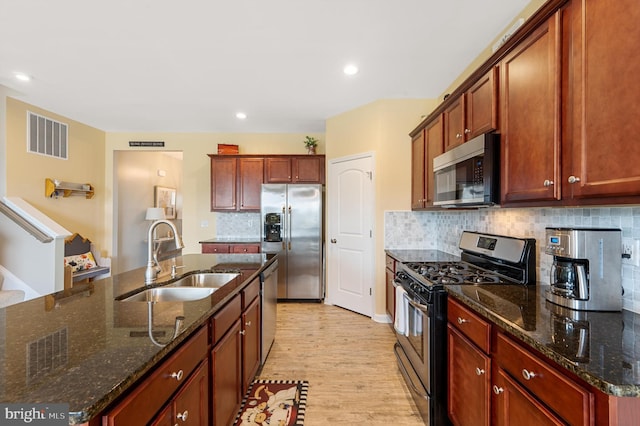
(349,362)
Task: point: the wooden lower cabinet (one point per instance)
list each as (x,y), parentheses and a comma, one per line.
(469,382)
(506,382)
(226,376)
(190,406)
(389,288)
(514,406)
(251,338)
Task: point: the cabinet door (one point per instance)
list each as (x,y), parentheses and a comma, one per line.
(250,343)
(417,171)
(605,151)
(481,106)
(309,169)
(250,178)
(277,170)
(514,406)
(434,146)
(454,124)
(530,95)
(223,183)
(469,382)
(226,376)
(391,294)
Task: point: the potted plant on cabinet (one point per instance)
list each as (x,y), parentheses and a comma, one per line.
(310,143)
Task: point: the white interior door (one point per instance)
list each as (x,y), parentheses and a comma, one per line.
(350,212)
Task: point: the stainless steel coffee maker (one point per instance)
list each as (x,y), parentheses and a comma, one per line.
(587,268)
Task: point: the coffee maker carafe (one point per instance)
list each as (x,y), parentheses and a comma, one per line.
(587,268)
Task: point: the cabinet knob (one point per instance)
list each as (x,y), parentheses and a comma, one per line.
(479,371)
(497,390)
(183,416)
(548,183)
(242,332)
(573,179)
(528,375)
(458,135)
(178,375)
(462,320)
(467,131)
(248,323)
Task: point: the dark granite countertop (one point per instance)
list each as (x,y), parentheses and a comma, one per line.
(231,240)
(408,255)
(86,349)
(599,347)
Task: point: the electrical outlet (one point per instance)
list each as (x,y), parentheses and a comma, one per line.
(250,223)
(631,251)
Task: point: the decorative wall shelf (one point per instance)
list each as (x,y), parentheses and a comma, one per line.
(56,188)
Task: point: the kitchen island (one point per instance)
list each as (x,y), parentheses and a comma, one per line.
(85,349)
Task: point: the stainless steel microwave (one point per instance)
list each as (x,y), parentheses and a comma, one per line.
(468,175)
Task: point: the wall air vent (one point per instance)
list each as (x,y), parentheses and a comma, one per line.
(46,136)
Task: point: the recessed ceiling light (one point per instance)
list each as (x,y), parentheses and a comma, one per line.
(22,76)
(241,115)
(351,69)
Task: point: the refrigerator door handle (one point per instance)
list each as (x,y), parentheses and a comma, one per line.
(284,230)
(289,227)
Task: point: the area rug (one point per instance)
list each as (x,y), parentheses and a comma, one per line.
(274,403)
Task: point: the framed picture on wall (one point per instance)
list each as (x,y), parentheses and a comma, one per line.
(166,198)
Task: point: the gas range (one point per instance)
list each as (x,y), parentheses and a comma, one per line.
(485,259)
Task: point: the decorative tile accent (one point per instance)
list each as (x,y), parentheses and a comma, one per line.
(441,230)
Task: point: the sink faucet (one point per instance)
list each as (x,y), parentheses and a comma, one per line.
(153,268)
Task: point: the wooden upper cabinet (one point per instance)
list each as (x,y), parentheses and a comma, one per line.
(604,158)
(474,112)
(418,171)
(434,143)
(236,183)
(250,178)
(454,124)
(530,119)
(294,169)
(481,105)
(223,183)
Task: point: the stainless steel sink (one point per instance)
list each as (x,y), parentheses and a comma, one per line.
(171,294)
(204,280)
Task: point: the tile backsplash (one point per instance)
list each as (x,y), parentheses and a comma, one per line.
(441,230)
(238,225)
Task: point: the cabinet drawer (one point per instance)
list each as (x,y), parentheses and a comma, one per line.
(250,292)
(470,324)
(145,401)
(215,248)
(568,399)
(391,264)
(244,248)
(225,317)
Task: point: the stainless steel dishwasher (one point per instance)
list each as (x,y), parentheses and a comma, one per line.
(269,300)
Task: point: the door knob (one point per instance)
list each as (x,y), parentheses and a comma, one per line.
(333,241)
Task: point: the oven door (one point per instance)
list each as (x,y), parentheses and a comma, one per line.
(415,338)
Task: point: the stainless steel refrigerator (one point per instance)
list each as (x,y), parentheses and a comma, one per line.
(292,227)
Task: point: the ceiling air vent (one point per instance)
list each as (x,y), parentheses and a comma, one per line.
(46,136)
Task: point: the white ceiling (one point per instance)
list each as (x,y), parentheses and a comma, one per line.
(189,66)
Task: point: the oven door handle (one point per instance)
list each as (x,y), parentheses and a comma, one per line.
(418,306)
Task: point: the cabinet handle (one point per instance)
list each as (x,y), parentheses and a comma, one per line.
(183,416)
(573,179)
(178,375)
(242,332)
(462,320)
(479,371)
(548,182)
(467,131)
(458,135)
(248,323)
(497,390)
(528,375)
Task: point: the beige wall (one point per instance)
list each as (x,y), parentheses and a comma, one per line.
(381,127)
(26,172)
